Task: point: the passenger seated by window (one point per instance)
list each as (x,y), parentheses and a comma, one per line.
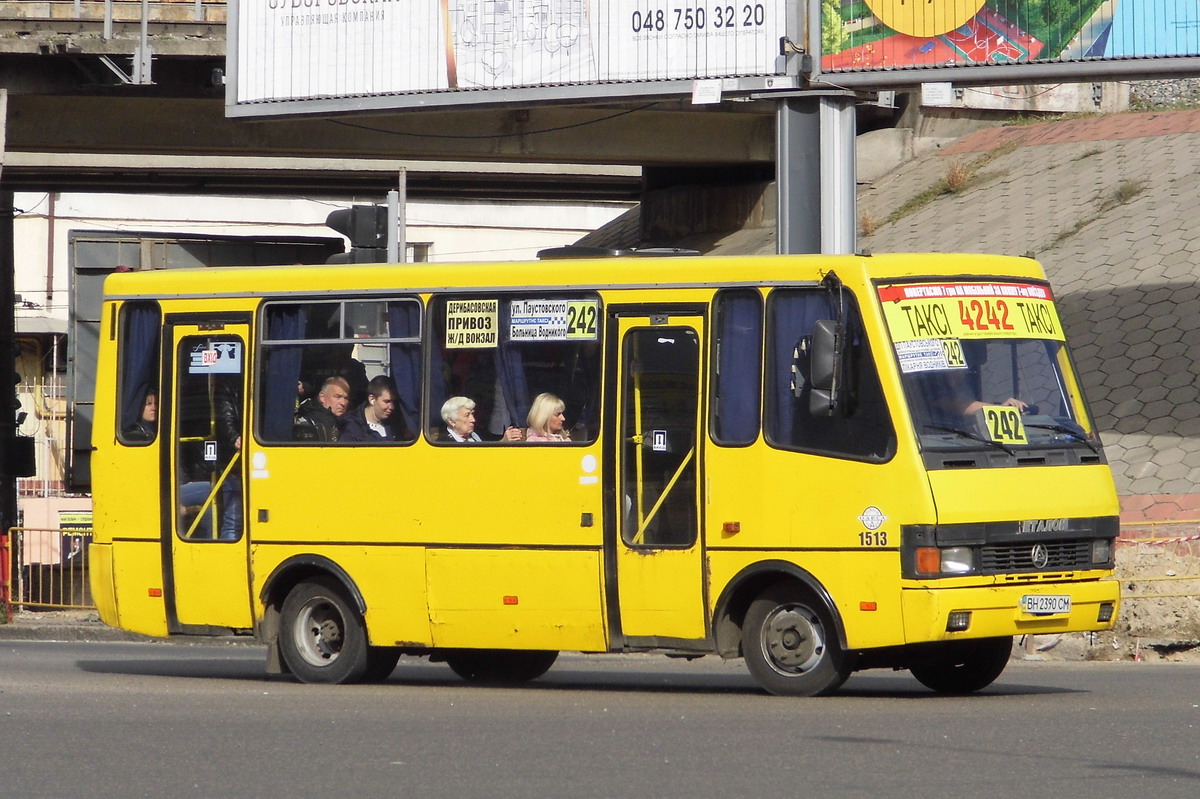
(146,426)
(546,419)
(192,497)
(320,419)
(459,415)
(373,421)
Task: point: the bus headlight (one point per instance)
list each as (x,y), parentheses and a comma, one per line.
(957,560)
(951,560)
(1101,550)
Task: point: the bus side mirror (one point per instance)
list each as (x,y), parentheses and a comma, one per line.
(824,373)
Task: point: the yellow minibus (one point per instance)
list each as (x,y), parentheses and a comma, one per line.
(819,464)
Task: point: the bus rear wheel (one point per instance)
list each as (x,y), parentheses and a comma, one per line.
(499,666)
(322,638)
(964,667)
(790,645)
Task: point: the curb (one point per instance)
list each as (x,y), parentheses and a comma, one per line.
(20,631)
(81,628)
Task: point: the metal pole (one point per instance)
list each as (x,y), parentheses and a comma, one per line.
(815,173)
(393,221)
(142,53)
(839,215)
(401,226)
(8,418)
(798,177)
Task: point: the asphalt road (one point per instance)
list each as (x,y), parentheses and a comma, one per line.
(160,720)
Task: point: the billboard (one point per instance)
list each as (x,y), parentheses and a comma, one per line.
(870,36)
(423,52)
(331,56)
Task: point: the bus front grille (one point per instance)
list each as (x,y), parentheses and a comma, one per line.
(1060,555)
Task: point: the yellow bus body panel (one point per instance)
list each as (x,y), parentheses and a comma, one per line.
(804,509)
(138,576)
(458,524)
(100,581)
(515,600)
(1038,492)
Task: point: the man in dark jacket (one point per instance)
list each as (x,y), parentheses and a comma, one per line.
(372,421)
(320,418)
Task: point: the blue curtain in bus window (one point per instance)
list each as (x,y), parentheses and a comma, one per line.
(281,371)
(510,372)
(792,315)
(738,386)
(404,321)
(139,359)
(862,428)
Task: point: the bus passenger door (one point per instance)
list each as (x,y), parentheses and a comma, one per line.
(207,574)
(658,554)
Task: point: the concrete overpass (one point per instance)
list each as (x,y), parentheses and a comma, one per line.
(78,120)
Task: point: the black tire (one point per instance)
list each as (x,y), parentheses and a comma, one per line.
(381,662)
(965,666)
(322,637)
(790,644)
(500,666)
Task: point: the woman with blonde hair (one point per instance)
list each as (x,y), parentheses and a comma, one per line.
(546,419)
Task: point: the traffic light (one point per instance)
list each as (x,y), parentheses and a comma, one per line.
(367,228)
(19,459)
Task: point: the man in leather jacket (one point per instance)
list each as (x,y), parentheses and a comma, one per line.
(320,418)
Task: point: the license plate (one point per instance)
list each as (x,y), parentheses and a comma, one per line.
(1046,604)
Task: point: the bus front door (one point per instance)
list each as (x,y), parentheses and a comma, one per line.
(658,552)
(207,580)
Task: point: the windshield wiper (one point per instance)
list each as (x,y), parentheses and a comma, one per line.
(970,435)
(1058,428)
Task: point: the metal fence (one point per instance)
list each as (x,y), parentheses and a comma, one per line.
(45,569)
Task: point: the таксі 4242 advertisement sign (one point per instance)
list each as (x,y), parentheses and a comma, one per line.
(894,34)
(311,49)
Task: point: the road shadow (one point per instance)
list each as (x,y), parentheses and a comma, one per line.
(616,676)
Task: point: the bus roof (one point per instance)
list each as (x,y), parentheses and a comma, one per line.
(591,273)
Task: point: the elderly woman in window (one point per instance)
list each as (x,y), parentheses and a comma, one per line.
(459,415)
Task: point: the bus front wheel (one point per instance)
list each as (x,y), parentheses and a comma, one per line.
(790,645)
(321,636)
(500,665)
(964,666)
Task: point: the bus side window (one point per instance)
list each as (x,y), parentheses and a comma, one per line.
(484,349)
(862,429)
(737,377)
(303,344)
(137,389)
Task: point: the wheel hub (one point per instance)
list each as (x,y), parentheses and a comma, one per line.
(793,640)
(319,633)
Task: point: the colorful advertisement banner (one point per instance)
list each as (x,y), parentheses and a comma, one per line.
(869,35)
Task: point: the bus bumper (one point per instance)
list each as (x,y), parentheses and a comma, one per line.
(995,611)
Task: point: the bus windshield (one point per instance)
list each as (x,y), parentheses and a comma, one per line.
(984,365)
(1007,392)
